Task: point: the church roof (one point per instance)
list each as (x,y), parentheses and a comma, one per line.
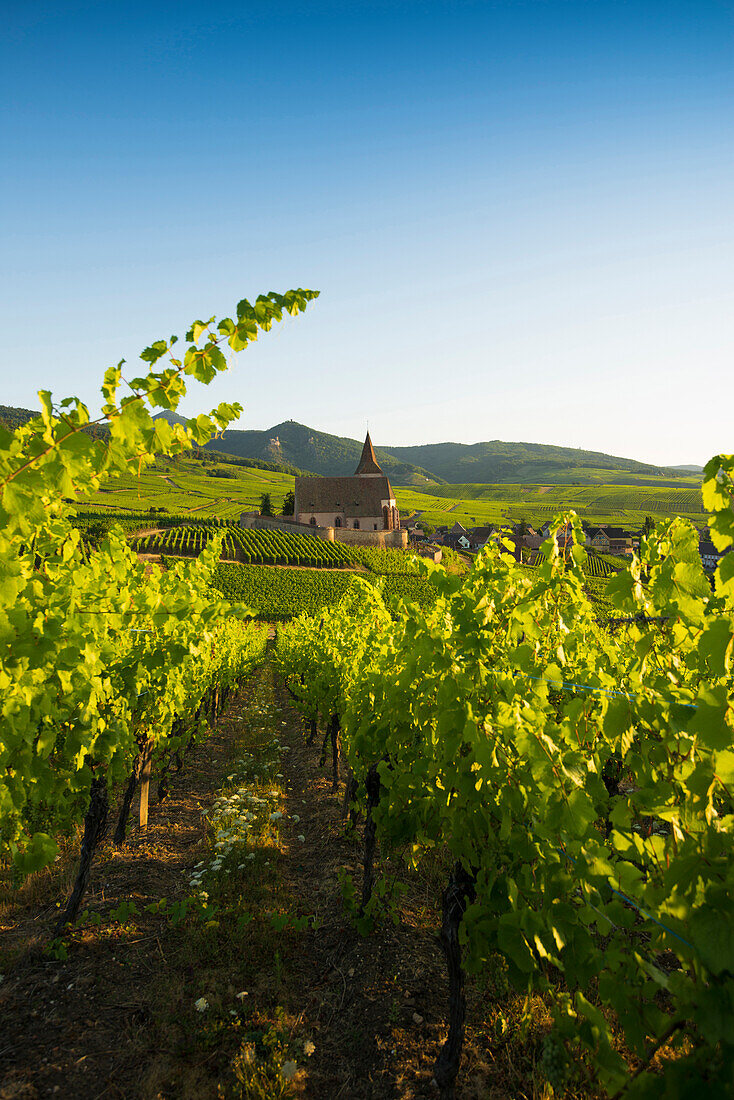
(368,464)
(353,496)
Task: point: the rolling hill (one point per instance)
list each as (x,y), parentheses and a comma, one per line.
(497,462)
(295,447)
(494,462)
(318,452)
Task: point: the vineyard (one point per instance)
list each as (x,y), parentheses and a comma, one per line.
(248,546)
(579,780)
(188,487)
(284,593)
(473,505)
(594,565)
(384,562)
(598,565)
(270,547)
(545,792)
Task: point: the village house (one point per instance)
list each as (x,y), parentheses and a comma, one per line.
(458,537)
(565,536)
(530,539)
(710,556)
(609,540)
(480,536)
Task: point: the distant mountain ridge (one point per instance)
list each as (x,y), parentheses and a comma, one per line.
(498,461)
(491,462)
(298,448)
(317,452)
(14,418)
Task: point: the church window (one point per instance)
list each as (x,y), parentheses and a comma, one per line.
(356,525)
(338,521)
(375,526)
(312,521)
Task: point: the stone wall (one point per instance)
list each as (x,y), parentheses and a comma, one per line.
(432,555)
(394,540)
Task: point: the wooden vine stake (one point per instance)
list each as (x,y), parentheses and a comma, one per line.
(145,784)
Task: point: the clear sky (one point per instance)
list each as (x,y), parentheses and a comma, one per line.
(520,215)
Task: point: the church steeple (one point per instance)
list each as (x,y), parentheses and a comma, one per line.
(368,465)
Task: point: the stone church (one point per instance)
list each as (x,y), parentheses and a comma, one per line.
(364,502)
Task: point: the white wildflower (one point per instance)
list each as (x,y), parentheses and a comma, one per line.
(296,818)
(276,815)
(289,1070)
(201,1005)
(241,996)
(301,837)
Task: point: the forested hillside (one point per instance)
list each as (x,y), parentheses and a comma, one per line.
(13,418)
(491,462)
(497,461)
(317,452)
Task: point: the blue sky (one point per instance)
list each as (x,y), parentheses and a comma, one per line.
(519,214)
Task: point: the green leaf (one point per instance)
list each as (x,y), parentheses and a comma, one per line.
(712,933)
(153,353)
(709,719)
(36,853)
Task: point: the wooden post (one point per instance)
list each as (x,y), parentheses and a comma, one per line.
(145,784)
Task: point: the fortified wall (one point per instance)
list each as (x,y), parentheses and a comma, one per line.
(391,540)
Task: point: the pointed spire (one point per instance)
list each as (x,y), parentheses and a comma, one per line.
(368,465)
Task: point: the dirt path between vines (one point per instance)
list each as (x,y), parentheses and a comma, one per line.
(118,1017)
